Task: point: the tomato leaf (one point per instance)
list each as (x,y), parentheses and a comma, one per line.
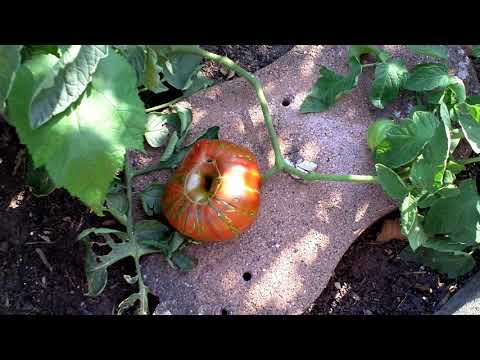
(135,55)
(437,51)
(107,120)
(408,214)
(152,199)
(152,234)
(445,115)
(391,183)
(183,262)
(389,78)
(404,142)
(425,77)
(457,87)
(428,169)
(96,266)
(199,82)
(457,216)
(176,158)
(182,69)
(329,87)
(355,51)
(185,116)
(156,132)
(454,264)
(9,63)
(470,123)
(377,132)
(116,201)
(64,84)
(152,73)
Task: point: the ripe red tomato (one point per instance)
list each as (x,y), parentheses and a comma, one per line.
(214,194)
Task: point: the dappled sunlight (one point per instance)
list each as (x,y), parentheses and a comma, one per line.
(325,206)
(199,115)
(310,151)
(361,211)
(282,282)
(256,115)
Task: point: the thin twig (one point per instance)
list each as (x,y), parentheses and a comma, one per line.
(44,259)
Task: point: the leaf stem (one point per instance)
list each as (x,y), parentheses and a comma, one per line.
(370,65)
(470,160)
(166,105)
(280,164)
(142,288)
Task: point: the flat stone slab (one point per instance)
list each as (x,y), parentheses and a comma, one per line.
(466,301)
(303,229)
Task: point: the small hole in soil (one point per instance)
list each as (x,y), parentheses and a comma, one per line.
(286,102)
(247,276)
(209,161)
(225,312)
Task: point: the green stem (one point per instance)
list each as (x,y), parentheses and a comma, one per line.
(370,65)
(280,163)
(314,176)
(166,105)
(470,161)
(130,174)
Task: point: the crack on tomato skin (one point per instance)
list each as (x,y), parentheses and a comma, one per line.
(210,224)
(225,219)
(249,213)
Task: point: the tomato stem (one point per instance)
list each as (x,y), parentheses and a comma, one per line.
(166,105)
(143,290)
(469,161)
(280,164)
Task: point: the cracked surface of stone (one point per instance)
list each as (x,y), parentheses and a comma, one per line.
(303,229)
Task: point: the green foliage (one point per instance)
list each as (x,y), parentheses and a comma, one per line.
(330,87)
(403,142)
(151,199)
(90,137)
(414,160)
(377,131)
(9,64)
(425,77)
(389,78)
(437,51)
(64,82)
(393,184)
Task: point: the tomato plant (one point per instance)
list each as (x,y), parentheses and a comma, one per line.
(77,110)
(215,193)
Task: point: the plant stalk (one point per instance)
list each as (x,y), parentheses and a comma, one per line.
(166,105)
(469,161)
(129,175)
